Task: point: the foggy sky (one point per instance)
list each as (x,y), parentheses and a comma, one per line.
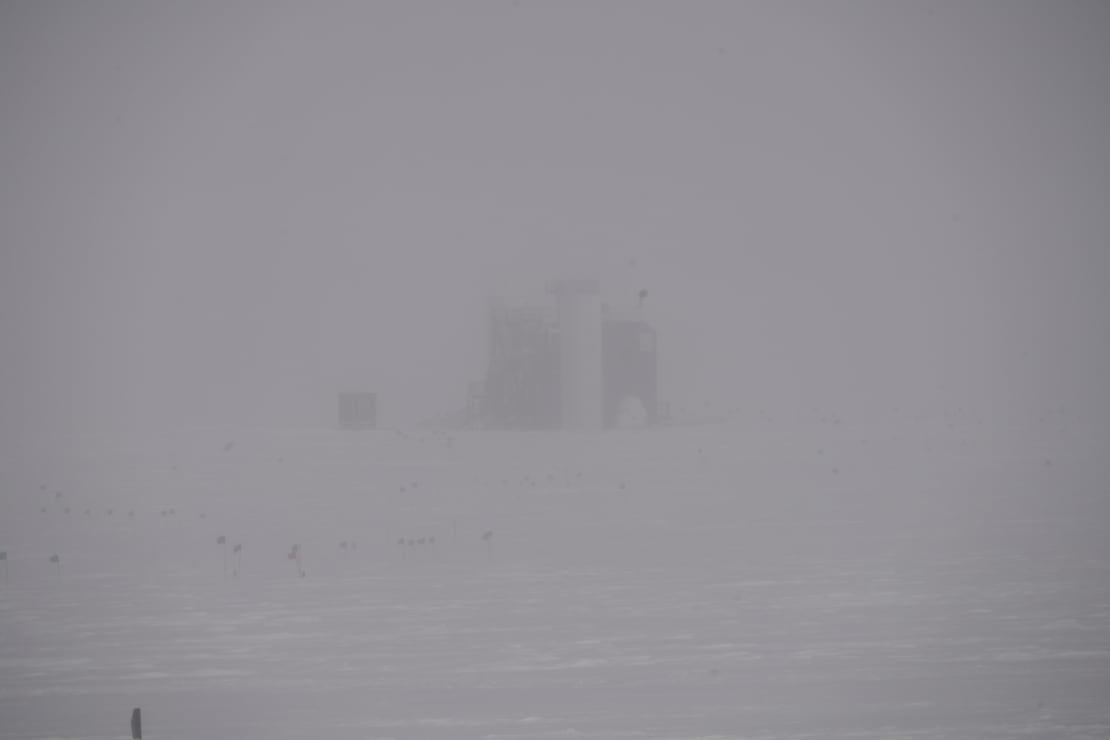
(222,214)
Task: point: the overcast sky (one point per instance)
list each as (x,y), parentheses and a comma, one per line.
(222,213)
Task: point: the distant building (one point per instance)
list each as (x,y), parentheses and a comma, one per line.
(358,410)
(578,366)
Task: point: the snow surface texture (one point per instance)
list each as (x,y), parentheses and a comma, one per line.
(709,582)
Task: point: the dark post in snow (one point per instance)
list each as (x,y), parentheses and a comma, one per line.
(136,724)
(222,542)
(4,557)
(58,562)
(488,537)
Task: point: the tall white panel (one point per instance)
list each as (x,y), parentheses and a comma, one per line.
(580,329)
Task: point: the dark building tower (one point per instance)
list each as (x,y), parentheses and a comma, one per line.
(522,388)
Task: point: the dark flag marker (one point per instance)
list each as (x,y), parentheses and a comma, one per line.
(238,550)
(58,562)
(136,724)
(4,557)
(295,555)
(488,537)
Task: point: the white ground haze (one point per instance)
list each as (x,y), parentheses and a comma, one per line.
(725,580)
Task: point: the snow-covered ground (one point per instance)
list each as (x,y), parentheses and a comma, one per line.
(725,581)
